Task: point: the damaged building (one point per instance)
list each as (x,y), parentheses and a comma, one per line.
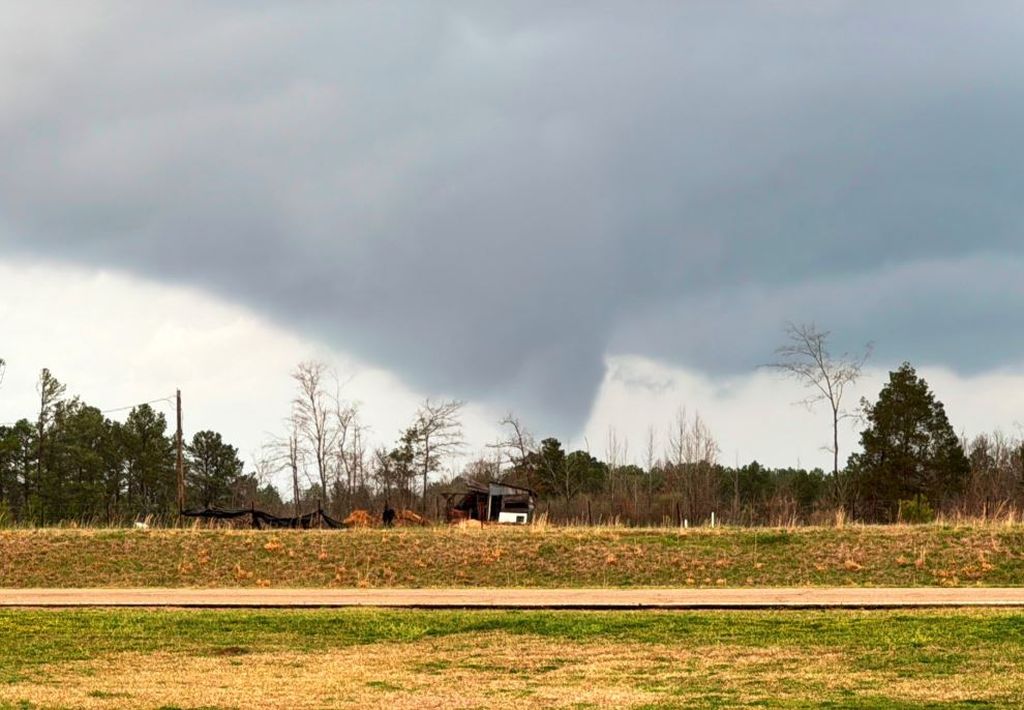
(490,502)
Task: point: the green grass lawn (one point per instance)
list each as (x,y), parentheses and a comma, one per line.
(925,555)
(407,659)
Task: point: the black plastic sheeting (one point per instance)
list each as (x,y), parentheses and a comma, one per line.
(260,519)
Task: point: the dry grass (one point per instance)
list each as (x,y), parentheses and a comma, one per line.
(489,670)
(541,556)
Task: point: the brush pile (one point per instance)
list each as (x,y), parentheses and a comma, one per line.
(364,519)
(408,517)
(359,519)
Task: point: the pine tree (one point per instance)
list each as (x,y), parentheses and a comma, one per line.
(214,470)
(910,450)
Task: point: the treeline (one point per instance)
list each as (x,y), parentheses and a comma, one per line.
(911,467)
(754,494)
(581,488)
(70,462)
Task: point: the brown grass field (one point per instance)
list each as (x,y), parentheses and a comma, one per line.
(406,659)
(359,658)
(925,555)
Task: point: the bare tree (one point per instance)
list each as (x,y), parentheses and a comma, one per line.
(701,446)
(617,456)
(806,358)
(677,434)
(482,470)
(346,437)
(649,461)
(996,472)
(264,465)
(356,456)
(311,412)
(691,442)
(383,472)
(519,443)
(693,453)
(436,433)
(286,454)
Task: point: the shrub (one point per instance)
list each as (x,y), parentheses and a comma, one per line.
(916,511)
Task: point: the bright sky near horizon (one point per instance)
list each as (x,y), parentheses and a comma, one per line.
(591,214)
(116,340)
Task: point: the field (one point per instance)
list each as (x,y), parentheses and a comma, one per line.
(166,659)
(926,555)
(409,659)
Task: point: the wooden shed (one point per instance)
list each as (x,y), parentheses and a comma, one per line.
(490,502)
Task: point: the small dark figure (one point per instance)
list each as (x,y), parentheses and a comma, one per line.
(389,515)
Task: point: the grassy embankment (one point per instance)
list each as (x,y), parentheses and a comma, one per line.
(409,659)
(517,557)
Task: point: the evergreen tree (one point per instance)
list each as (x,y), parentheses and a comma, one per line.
(51,393)
(265,496)
(396,471)
(214,470)
(910,450)
(149,479)
(584,473)
(549,467)
(79,461)
(17,465)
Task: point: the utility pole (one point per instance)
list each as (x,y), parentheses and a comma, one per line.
(180,459)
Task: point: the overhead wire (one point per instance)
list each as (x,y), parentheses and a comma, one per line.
(168,400)
(140,404)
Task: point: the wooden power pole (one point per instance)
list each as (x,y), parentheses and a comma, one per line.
(180,458)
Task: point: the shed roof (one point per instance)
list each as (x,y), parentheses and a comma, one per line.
(495,488)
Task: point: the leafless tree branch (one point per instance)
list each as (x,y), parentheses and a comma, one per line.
(806,358)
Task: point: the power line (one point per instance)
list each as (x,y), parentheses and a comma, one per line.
(169,399)
(140,404)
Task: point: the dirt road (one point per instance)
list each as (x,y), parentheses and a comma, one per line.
(520,598)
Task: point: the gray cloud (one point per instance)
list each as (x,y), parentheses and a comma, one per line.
(935,312)
(490,199)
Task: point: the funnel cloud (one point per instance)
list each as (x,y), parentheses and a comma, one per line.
(490,199)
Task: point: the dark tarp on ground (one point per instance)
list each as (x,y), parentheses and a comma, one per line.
(261,519)
(217,513)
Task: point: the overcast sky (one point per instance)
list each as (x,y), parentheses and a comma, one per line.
(591,213)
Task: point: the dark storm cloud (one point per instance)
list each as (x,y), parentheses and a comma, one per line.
(489,198)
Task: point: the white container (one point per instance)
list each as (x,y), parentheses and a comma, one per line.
(512,518)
